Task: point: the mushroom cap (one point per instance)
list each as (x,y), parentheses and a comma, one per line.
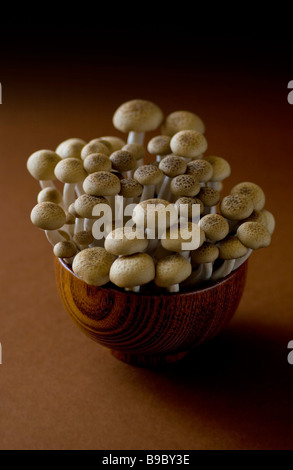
(253,191)
(83,238)
(201,169)
(171,270)
(270,221)
(72,211)
(190,202)
(95,146)
(207,253)
(48,216)
(137,150)
(148,175)
(221,168)
(182,120)
(85,204)
(125,241)
(172,165)
(102,183)
(210,197)
(70,219)
(231,248)
(115,142)
(185,185)
(236,207)
(145,210)
(159,145)
(215,227)
(254,235)
(65,249)
(70,170)
(41,165)
(138,116)
(189,144)
(177,236)
(97,162)
(93,266)
(133,270)
(71,148)
(123,160)
(50,195)
(130,188)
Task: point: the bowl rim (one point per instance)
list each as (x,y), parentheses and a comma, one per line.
(165,294)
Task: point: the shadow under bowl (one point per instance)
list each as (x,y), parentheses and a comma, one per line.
(149,330)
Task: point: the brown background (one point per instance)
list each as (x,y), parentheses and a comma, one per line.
(59,390)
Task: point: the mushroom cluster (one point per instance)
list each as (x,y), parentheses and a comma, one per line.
(205,236)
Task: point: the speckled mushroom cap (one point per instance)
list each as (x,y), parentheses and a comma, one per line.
(93,266)
(72,211)
(48,216)
(123,160)
(149,207)
(210,197)
(126,241)
(231,248)
(115,142)
(95,147)
(221,168)
(41,165)
(254,235)
(253,191)
(65,249)
(130,188)
(215,227)
(159,145)
(201,169)
(50,195)
(83,238)
(270,221)
(177,236)
(70,170)
(207,253)
(102,183)
(171,270)
(137,150)
(85,204)
(185,185)
(71,148)
(188,144)
(138,116)
(97,162)
(182,120)
(133,270)
(236,207)
(148,175)
(172,166)
(190,202)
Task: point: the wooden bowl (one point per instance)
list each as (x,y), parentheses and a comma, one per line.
(149,330)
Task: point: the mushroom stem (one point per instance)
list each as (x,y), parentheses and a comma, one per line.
(79,225)
(79,189)
(173,289)
(68,194)
(164,192)
(47,184)
(53,237)
(148,192)
(135,138)
(135,289)
(242,260)
(224,270)
(88,224)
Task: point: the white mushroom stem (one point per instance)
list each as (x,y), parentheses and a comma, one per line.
(185,254)
(224,270)
(88,225)
(79,189)
(165,189)
(135,289)
(68,194)
(153,242)
(239,262)
(159,158)
(214,184)
(173,289)
(202,273)
(47,184)
(209,210)
(79,225)
(136,138)
(148,192)
(54,237)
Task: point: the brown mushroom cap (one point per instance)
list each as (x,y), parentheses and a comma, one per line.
(133,270)
(137,150)
(171,270)
(201,169)
(50,195)
(97,162)
(65,249)
(157,207)
(253,191)
(83,238)
(270,221)
(70,170)
(115,142)
(177,236)
(85,204)
(48,216)
(95,147)
(148,175)
(182,120)
(236,207)
(185,185)
(190,202)
(125,241)
(254,235)
(71,148)
(173,166)
(210,197)
(123,160)
(130,188)
(159,145)
(221,168)
(138,116)
(102,183)
(188,144)
(207,253)
(231,248)
(41,165)
(93,266)
(215,227)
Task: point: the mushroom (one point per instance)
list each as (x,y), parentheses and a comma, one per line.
(188,144)
(148,176)
(136,117)
(253,191)
(50,195)
(270,221)
(97,162)
(133,271)
(230,250)
(65,250)
(171,166)
(41,165)
(130,191)
(159,146)
(138,151)
(123,161)
(84,207)
(221,171)
(171,271)
(116,143)
(237,207)
(184,185)
(83,239)
(103,183)
(93,266)
(180,121)
(202,260)
(215,226)
(49,217)
(201,169)
(254,235)
(71,148)
(194,206)
(126,241)
(184,238)
(95,146)
(70,171)
(210,197)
